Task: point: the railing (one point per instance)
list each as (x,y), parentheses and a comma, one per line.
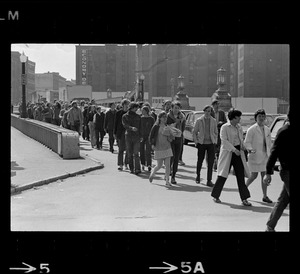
(63,141)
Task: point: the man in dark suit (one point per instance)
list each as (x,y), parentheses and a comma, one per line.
(119,134)
(109,125)
(220,117)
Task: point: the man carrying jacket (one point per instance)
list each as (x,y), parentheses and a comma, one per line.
(132,123)
(109,125)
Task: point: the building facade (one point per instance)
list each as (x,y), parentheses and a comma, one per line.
(16,71)
(253,70)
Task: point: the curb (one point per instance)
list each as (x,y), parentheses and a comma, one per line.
(18,189)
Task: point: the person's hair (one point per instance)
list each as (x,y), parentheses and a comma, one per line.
(206,107)
(232,113)
(176,103)
(161,114)
(133,105)
(125,102)
(259,111)
(98,107)
(110,104)
(146,108)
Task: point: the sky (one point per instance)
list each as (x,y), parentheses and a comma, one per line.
(50,57)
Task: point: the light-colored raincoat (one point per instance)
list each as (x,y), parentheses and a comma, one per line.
(227,149)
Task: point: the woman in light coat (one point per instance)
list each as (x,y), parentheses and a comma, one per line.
(258,144)
(232,154)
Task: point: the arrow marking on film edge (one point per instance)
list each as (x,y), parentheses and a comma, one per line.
(169,267)
(29,268)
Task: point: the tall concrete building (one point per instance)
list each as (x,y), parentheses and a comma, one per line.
(16,71)
(112,66)
(252,70)
(263,70)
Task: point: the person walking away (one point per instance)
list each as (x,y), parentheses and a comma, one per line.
(280,150)
(56,111)
(119,134)
(85,115)
(98,121)
(159,138)
(220,117)
(132,124)
(177,119)
(232,154)
(258,144)
(147,123)
(109,123)
(64,113)
(205,136)
(48,113)
(91,125)
(74,118)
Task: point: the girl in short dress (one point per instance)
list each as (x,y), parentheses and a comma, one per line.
(159,138)
(258,144)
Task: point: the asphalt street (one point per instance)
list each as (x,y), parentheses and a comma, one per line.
(110,200)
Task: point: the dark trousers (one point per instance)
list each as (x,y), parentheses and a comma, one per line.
(86,132)
(210,149)
(76,127)
(176,148)
(283,200)
(181,151)
(238,166)
(145,150)
(133,152)
(111,139)
(122,149)
(99,134)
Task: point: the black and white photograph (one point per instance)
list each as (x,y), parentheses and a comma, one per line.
(136,137)
(149,136)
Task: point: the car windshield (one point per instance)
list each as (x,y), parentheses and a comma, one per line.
(276,127)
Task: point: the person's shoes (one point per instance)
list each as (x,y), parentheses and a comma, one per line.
(137,172)
(267,200)
(150,179)
(217,200)
(149,168)
(168,184)
(173,181)
(198,180)
(126,167)
(209,183)
(270,229)
(246,203)
(120,168)
(180,162)
(143,167)
(131,172)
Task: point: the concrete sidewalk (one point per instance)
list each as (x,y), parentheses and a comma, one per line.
(33,164)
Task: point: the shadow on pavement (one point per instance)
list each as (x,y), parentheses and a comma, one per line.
(254,208)
(189,188)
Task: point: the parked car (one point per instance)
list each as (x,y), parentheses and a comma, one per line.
(278,122)
(191,118)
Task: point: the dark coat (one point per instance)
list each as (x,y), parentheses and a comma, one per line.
(109,121)
(119,129)
(146,126)
(153,135)
(99,121)
(130,119)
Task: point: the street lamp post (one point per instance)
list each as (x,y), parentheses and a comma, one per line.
(221,94)
(141,88)
(181,95)
(23,59)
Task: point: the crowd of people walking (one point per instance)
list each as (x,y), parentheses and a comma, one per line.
(141,135)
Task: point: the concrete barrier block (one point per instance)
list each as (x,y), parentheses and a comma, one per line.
(70,147)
